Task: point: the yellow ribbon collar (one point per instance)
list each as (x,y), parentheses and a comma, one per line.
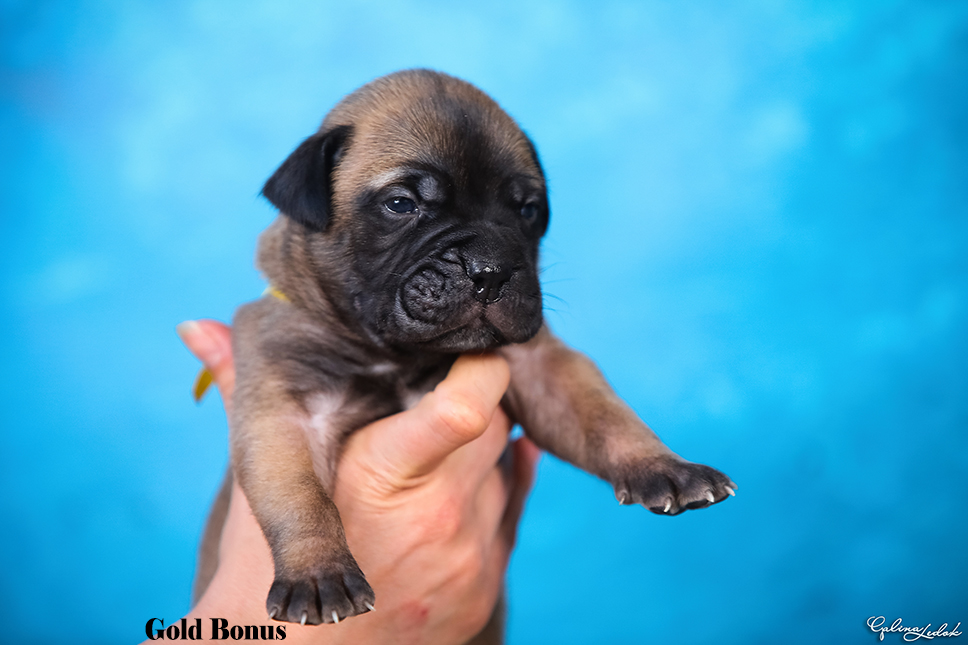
(205,378)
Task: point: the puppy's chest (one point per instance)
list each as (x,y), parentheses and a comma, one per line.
(331,416)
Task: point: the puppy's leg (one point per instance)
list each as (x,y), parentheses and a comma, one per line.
(317,580)
(567,408)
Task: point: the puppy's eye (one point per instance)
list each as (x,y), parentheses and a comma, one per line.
(529,211)
(401,205)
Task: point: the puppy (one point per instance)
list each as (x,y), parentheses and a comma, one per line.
(408,233)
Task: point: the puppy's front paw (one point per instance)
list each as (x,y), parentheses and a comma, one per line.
(669,485)
(329,595)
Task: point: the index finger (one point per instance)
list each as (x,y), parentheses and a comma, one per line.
(211,342)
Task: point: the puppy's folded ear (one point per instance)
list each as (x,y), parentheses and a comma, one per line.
(534,155)
(302,186)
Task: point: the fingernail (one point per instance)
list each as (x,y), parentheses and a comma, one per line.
(186,328)
(200,342)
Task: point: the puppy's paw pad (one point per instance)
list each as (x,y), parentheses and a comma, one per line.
(670,485)
(327,596)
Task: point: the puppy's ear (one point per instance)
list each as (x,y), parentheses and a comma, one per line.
(534,155)
(302,186)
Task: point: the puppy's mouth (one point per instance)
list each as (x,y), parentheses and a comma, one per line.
(468,337)
(440,309)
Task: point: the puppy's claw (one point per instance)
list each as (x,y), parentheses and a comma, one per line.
(272,614)
(669,485)
(302,621)
(623,497)
(369,606)
(335,617)
(731,492)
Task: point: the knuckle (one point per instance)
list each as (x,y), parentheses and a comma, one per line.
(479,611)
(446,521)
(474,561)
(461,416)
(471,565)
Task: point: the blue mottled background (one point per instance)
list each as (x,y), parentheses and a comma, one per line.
(759,229)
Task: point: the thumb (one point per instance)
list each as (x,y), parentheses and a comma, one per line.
(413,443)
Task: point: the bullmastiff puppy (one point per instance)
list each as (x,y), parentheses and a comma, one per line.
(408,233)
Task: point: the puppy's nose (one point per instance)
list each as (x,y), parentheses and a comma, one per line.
(488,278)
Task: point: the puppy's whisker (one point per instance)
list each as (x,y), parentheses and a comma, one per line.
(558,280)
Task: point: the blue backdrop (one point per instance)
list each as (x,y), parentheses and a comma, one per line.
(759,230)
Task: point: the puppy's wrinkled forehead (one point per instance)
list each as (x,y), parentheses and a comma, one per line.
(430,121)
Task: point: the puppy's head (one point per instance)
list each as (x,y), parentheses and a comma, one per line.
(421,204)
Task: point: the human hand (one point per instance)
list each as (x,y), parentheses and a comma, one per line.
(429,517)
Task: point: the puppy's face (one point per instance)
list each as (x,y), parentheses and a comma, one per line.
(423,204)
